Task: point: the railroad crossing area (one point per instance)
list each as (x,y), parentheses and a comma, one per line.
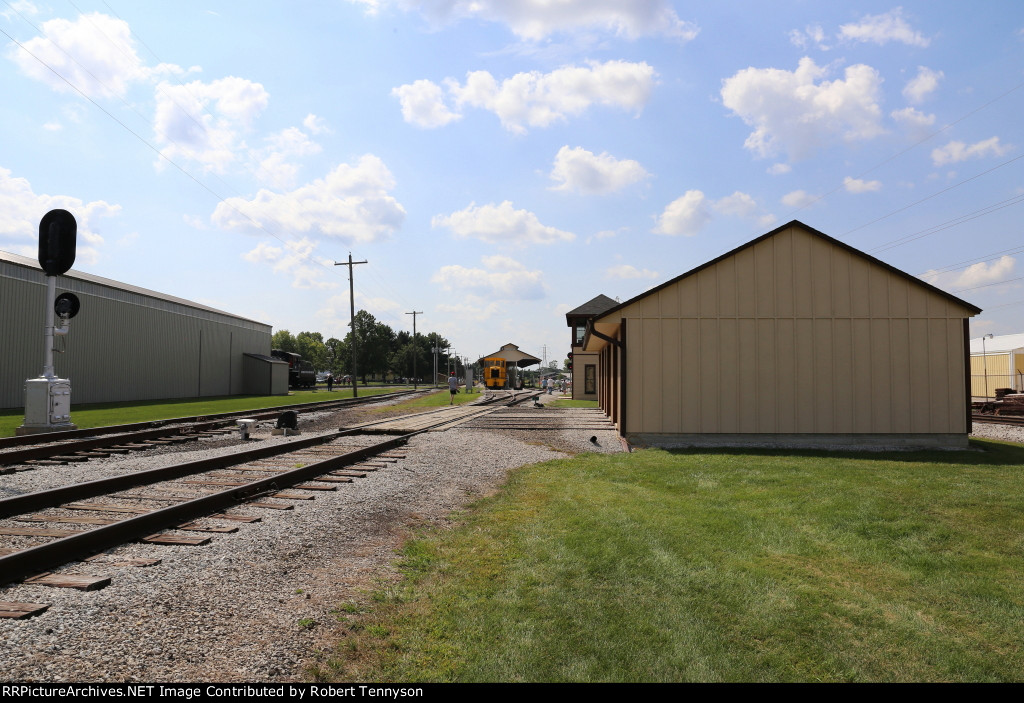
(526,417)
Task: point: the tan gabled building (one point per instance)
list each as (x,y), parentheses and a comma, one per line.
(584,364)
(793,339)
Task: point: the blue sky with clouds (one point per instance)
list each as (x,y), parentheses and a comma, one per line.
(499,162)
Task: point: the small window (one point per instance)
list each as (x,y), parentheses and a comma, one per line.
(581,330)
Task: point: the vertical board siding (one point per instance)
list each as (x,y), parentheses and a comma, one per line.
(795,335)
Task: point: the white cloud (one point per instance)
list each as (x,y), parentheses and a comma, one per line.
(95,53)
(205,121)
(798,198)
(924,83)
(294,259)
(913,119)
(978,274)
(811,35)
(500,224)
(275,160)
(685,215)
(538,99)
(21,209)
(23,7)
(856,185)
(791,113)
(584,172)
(423,104)
(779,169)
(955,151)
(316,125)
(741,204)
(625,271)
(501,278)
(352,203)
(535,21)
(738,204)
(882,29)
(53,126)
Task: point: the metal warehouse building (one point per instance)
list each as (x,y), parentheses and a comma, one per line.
(793,339)
(997,362)
(129,343)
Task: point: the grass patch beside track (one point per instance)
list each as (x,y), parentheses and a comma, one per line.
(569,403)
(714,566)
(104,414)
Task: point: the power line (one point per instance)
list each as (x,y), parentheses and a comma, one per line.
(933,195)
(995,207)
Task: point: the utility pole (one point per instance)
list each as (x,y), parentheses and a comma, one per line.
(415,351)
(352,318)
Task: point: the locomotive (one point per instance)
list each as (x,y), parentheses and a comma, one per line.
(495,373)
(300,373)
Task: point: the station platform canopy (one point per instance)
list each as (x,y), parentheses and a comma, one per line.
(512,354)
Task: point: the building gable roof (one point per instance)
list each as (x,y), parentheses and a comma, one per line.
(810,230)
(510,352)
(594,306)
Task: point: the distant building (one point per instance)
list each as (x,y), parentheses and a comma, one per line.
(793,339)
(997,362)
(584,364)
(129,343)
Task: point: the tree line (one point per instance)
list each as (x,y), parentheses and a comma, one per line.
(381,352)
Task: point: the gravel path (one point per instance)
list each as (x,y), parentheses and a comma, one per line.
(1007,433)
(255,605)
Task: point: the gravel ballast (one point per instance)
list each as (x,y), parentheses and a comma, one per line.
(255,605)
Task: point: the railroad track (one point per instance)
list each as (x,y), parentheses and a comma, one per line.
(79,521)
(82,445)
(998,419)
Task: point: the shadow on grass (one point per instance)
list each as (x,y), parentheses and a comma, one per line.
(982,452)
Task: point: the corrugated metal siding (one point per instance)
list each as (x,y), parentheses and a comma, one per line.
(122,345)
(795,335)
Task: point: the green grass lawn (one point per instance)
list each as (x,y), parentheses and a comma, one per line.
(569,403)
(714,566)
(103,414)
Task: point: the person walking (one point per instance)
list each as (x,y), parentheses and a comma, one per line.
(330,382)
(453,388)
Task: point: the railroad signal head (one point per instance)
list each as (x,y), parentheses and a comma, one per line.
(57,234)
(66,305)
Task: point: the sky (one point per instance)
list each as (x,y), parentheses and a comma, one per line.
(498,163)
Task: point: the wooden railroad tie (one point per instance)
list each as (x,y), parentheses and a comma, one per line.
(70,520)
(108,508)
(34,532)
(196,527)
(289,495)
(20,611)
(236,518)
(271,506)
(175,539)
(81,583)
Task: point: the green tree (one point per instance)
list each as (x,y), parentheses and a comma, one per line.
(310,346)
(284,341)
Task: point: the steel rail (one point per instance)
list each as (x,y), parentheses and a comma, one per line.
(998,419)
(53,497)
(48,556)
(166,428)
(47,437)
(45,557)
